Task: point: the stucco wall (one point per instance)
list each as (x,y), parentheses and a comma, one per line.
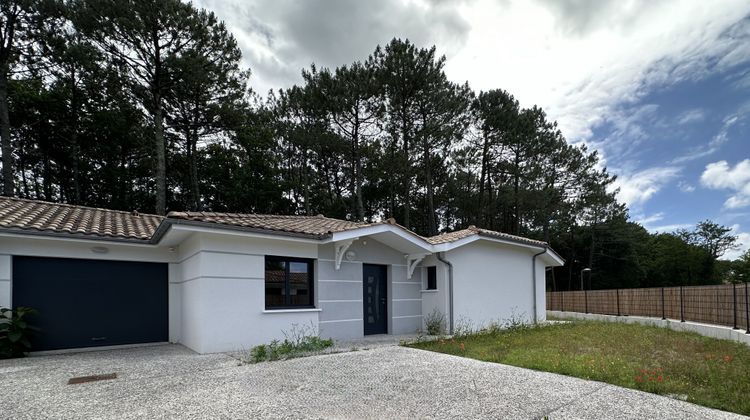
(435,300)
(340,291)
(5,261)
(222,289)
(492,283)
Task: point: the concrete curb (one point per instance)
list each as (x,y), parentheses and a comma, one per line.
(708,330)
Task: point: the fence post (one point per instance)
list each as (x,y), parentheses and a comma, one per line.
(662,304)
(747,312)
(562,301)
(682,307)
(617,291)
(586,302)
(734,305)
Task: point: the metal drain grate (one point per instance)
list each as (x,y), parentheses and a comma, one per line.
(91,378)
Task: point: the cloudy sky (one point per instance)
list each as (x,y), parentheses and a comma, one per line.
(660,88)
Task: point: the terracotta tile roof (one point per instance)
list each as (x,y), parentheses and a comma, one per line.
(33,215)
(41,216)
(306,225)
(473,230)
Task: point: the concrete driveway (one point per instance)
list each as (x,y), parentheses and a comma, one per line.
(170,381)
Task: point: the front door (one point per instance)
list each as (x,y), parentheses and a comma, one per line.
(375,299)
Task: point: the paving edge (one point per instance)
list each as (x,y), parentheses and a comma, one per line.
(708,330)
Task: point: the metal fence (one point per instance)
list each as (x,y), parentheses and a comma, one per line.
(725,304)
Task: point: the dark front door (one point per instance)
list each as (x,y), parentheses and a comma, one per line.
(375,299)
(88,303)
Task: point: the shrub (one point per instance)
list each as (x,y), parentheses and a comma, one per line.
(15,332)
(435,322)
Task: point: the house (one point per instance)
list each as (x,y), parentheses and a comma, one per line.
(227,281)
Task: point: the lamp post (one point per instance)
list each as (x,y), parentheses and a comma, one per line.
(585,293)
(585,270)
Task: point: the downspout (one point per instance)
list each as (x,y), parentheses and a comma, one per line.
(442,259)
(533,279)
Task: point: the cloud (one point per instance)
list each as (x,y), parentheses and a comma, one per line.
(578,59)
(691,116)
(685,187)
(669,228)
(647,220)
(743,240)
(281,37)
(721,175)
(637,188)
(718,140)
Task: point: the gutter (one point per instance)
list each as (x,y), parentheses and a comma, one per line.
(441,257)
(533,279)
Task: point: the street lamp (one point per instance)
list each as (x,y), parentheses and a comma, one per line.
(585,270)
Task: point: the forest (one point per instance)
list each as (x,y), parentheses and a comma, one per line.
(145,105)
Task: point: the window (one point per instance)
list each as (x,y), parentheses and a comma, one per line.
(289,283)
(432,278)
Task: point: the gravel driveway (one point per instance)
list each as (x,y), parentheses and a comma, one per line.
(170,381)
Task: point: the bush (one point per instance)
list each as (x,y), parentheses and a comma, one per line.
(435,322)
(299,341)
(15,332)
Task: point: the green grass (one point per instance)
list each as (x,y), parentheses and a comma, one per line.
(710,372)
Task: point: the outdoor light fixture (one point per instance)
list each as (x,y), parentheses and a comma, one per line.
(99,249)
(585,270)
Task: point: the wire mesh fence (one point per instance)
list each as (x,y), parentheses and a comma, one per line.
(725,304)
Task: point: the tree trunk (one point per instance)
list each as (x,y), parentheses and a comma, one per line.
(481,217)
(516,189)
(6,150)
(191,149)
(161,162)
(407,171)
(358,172)
(74,138)
(432,228)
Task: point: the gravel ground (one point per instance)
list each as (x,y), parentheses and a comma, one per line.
(170,381)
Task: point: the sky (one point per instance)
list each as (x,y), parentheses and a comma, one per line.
(660,88)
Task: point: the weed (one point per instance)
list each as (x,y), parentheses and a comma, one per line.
(435,322)
(297,342)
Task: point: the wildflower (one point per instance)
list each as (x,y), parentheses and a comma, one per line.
(638,379)
(659,379)
(463,348)
(727,358)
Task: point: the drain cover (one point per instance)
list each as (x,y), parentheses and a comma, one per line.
(92,378)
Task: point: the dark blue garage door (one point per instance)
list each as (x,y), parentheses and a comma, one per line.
(86,303)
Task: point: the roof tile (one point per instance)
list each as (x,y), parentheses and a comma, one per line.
(19,213)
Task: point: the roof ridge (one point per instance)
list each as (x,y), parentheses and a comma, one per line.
(261,215)
(77,206)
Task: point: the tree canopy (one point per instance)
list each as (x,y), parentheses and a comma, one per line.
(145,105)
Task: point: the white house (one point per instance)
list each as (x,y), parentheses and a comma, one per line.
(225,281)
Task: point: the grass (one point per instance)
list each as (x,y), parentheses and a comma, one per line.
(706,371)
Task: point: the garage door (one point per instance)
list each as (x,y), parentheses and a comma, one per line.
(86,303)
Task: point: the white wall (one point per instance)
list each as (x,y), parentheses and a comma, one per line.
(492,283)
(5,269)
(435,300)
(221,283)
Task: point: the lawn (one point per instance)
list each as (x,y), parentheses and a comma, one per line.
(706,371)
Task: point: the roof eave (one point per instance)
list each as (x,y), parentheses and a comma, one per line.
(11,231)
(166,224)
